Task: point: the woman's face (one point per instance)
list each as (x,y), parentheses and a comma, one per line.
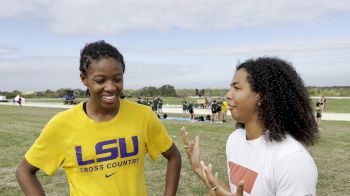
(242,101)
(104,79)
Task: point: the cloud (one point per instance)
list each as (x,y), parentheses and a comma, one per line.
(4,50)
(112,17)
(330,45)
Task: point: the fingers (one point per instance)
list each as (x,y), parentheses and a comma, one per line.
(185,137)
(209,176)
(196,141)
(240,188)
(203,166)
(188,144)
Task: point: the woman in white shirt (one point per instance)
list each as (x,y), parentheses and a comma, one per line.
(265,154)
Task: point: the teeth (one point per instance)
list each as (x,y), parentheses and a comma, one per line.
(109,97)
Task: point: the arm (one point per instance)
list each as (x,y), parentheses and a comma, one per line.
(173,170)
(27,179)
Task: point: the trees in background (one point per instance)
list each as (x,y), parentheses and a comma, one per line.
(168,91)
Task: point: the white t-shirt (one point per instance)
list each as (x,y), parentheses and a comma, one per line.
(270,168)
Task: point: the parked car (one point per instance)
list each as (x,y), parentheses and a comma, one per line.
(69,98)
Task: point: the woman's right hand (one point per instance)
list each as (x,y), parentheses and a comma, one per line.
(193,152)
(215,188)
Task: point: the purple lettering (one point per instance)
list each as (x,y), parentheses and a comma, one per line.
(79,154)
(113,151)
(123,150)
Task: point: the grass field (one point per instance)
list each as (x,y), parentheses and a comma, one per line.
(20,127)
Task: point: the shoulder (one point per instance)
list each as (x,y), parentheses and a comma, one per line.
(134,109)
(286,147)
(237,135)
(291,162)
(130,105)
(69,113)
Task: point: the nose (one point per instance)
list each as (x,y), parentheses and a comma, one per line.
(229,94)
(110,86)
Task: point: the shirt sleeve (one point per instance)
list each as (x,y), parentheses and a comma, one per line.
(157,138)
(296,174)
(47,151)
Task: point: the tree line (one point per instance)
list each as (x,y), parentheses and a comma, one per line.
(169,91)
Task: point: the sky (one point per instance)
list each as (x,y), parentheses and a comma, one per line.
(184,43)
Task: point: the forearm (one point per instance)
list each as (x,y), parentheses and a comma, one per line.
(172,175)
(220,189)
(29,184)
(223,185)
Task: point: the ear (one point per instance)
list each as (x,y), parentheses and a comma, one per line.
(257,97)
(83,79)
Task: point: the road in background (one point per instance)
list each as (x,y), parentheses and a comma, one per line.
(177,109)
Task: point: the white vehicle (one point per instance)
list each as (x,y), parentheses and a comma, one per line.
(3,98)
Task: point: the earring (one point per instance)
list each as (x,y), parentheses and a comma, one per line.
(259,104)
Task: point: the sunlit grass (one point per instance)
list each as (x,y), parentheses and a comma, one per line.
(19,127)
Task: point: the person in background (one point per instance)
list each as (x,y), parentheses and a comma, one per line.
(318,110)
(102,143)
(214,107)
(265,154)
(155,103)
(323,102)
(190,109)
(160,106)
(20,101)
(224,109)
(184,107)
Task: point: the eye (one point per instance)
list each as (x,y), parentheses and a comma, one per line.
(118,79)
(100,81)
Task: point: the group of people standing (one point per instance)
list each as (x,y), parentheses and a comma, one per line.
(155,103)
(102,143)
(219,111)
(188,108)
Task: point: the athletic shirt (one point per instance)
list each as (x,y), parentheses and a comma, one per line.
(101,158)
(270,168)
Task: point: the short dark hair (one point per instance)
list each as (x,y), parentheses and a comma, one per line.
(97,50)
(284,105)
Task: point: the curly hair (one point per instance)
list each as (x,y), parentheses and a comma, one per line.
(97,50)
(284,105)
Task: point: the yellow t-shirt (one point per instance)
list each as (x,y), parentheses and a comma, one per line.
(101,158)
(224,106)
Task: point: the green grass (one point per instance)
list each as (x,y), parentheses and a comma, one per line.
(20,127)
(336,105)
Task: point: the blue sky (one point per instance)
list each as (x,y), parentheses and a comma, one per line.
(188,44)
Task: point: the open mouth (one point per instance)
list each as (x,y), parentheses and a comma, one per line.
(109,99)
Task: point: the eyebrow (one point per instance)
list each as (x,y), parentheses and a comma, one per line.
(119,74)
(234,83)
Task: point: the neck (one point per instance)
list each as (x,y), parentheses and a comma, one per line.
(100,114)
(254,129)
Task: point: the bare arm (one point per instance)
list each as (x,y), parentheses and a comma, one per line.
(173,170)
(27,180)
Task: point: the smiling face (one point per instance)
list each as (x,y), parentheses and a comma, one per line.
(104,79)
(241,99)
